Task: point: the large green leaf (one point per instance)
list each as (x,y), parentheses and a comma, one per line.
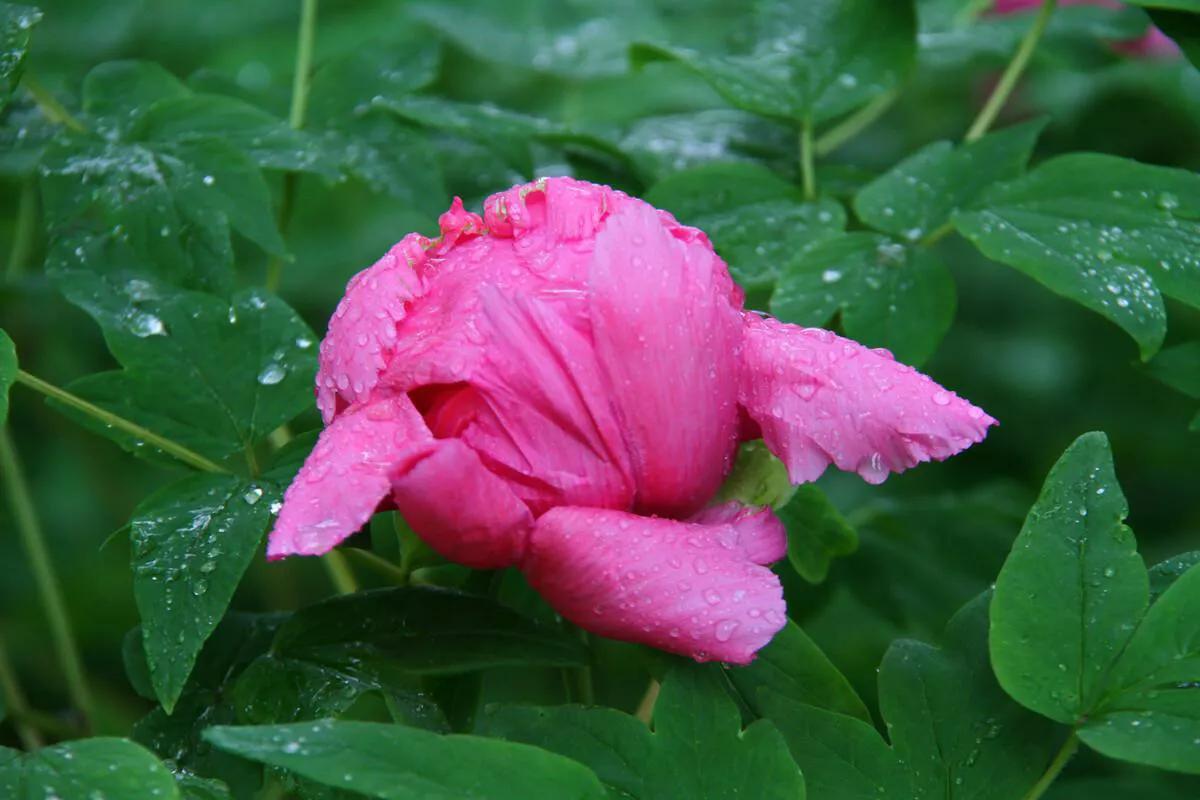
(117,93)
(1072,589)
(793,667)
(401,763)
(214,375)
(817,533)
(8,372)
(956,732)
(921,192)
(888,295)
(1151,709)
(1106,232)
(579,39)
(423,631)
(812,61)
(697,749)
(756,220)
(16,23)
(86,769)
(192,541)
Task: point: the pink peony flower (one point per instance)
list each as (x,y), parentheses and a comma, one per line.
(561,386)
(1152,44)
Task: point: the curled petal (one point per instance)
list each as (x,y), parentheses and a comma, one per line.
(761,534)
(666,332)
(346,476)
(679,586)
(819,399)
(461,510)
(362,333)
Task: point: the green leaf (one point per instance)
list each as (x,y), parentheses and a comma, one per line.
(8,372)
(888,296)
(1106,232)
(793,667)
(213,375)
(758,478)
(817,533)
(1151,710)
(842,758)
(697,750)
(16,23)
(920,193)
(389,67)
(116,93)
(814,60)
(1072,589)
(1165,573)
(1181,5)
(192,541)
(756,220)
(958,734)
(399,763)
(423,631)
(662,145)
(580,40)
(85,769)
(192,787)
(1179,368)
(390,158)
(269,141)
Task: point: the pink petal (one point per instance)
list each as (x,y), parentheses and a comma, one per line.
(761,534)
(666,332)
(362,332)
(821,399)
(346,476)
(677,586)
(461,510)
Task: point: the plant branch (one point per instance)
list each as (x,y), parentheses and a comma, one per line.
(807,168)
(18,706)
(51,109)
(25,229)
(339,572)
(48,587)
(1056,767)
(645,709)
(305,38)
(187,456)
(856,123)
(1008,80)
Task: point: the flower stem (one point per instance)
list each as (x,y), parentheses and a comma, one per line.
(1056,767)
(855,124)
(645,709)
(380,565)
(18,706)
(1008,80)
(53,110)
(937,234)
(305,38)
(26,224)
(189,457)
(48,587)
(807,169)
(339,572)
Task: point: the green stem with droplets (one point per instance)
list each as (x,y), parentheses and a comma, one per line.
(1056,767)
(189,457)
(305,39)
(1012,73)
(49,590)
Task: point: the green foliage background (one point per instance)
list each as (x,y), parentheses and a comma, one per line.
(403,116)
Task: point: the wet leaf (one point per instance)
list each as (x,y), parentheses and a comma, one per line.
(399,763)
(16,23)
(889,296)
(698,748)
(817,533)
(1109,233)
(8,372)
(1071,591)
(86,769)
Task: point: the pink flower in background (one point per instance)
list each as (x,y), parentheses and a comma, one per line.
(1154,43)
(561,386)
